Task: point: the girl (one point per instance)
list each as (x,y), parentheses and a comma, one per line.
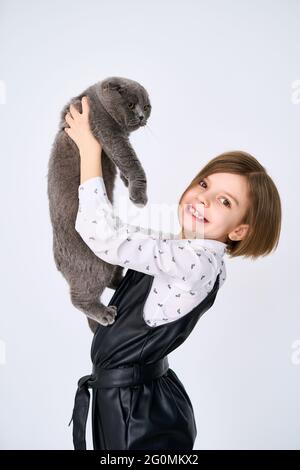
(231,206)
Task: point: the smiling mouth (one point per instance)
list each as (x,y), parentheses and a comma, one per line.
(196,214)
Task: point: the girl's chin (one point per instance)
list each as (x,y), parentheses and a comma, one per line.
(193,231)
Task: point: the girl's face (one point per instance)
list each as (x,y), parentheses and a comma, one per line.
(222,198)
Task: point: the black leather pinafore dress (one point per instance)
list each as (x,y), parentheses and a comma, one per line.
(139,403)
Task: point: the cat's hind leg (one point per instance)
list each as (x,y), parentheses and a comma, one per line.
(93,325)
(117,278)
(92,307)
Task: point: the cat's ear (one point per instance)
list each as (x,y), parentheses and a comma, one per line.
(114,85)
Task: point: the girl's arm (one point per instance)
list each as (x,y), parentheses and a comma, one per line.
(90,163)
(130,246)
(90,148)
(119,243)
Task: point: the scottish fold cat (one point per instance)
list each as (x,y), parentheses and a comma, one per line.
(118,106)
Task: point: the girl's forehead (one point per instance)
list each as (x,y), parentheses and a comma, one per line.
(225,177)
(225,181)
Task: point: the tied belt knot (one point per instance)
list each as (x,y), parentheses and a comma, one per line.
(106,378)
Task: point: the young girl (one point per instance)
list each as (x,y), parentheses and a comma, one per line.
(231,206)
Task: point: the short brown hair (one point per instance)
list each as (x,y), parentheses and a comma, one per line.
(264,213)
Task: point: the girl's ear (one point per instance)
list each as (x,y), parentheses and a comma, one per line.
(239,233)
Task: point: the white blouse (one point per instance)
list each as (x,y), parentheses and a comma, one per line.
(184,270)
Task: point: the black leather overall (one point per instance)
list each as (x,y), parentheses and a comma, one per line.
(138,401)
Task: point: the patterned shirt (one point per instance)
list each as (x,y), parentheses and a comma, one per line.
(184,270)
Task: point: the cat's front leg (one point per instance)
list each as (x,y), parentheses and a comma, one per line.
(124,157)
(124,179)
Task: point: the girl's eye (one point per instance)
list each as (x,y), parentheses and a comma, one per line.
(227,201)
(131,105)
(226,205)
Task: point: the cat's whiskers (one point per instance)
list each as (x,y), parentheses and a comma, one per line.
(151,131)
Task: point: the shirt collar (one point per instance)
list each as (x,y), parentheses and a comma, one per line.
(209,243)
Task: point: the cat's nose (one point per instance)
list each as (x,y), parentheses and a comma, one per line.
(141,117)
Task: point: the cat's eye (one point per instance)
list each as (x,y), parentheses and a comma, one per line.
(131,105)
(146,107)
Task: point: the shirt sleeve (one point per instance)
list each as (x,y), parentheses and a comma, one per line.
(131,246)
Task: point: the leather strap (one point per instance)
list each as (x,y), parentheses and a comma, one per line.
(106,378)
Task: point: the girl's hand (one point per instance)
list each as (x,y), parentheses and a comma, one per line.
(80,131)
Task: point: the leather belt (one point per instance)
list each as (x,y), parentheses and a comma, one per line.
(106,378)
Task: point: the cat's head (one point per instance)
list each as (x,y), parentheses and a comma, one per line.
(126,101)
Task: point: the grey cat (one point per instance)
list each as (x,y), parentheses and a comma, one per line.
(118,106)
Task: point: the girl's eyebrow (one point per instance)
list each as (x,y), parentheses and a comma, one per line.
(225,192)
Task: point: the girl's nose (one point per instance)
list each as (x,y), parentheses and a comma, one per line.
(203,202)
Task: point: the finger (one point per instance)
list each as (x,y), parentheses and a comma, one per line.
(73,111)
(68,131)
(85,105)
(69,118)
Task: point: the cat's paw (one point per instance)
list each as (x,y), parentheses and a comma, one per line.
(139,198)
(108,316)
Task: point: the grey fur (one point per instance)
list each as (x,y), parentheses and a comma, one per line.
(111,121)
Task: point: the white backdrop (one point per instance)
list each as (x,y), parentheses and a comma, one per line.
(221,75)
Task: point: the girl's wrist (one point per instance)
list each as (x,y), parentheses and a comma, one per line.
(90,167)
(90,151)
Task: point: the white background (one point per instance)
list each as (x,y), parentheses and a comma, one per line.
(220,76)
